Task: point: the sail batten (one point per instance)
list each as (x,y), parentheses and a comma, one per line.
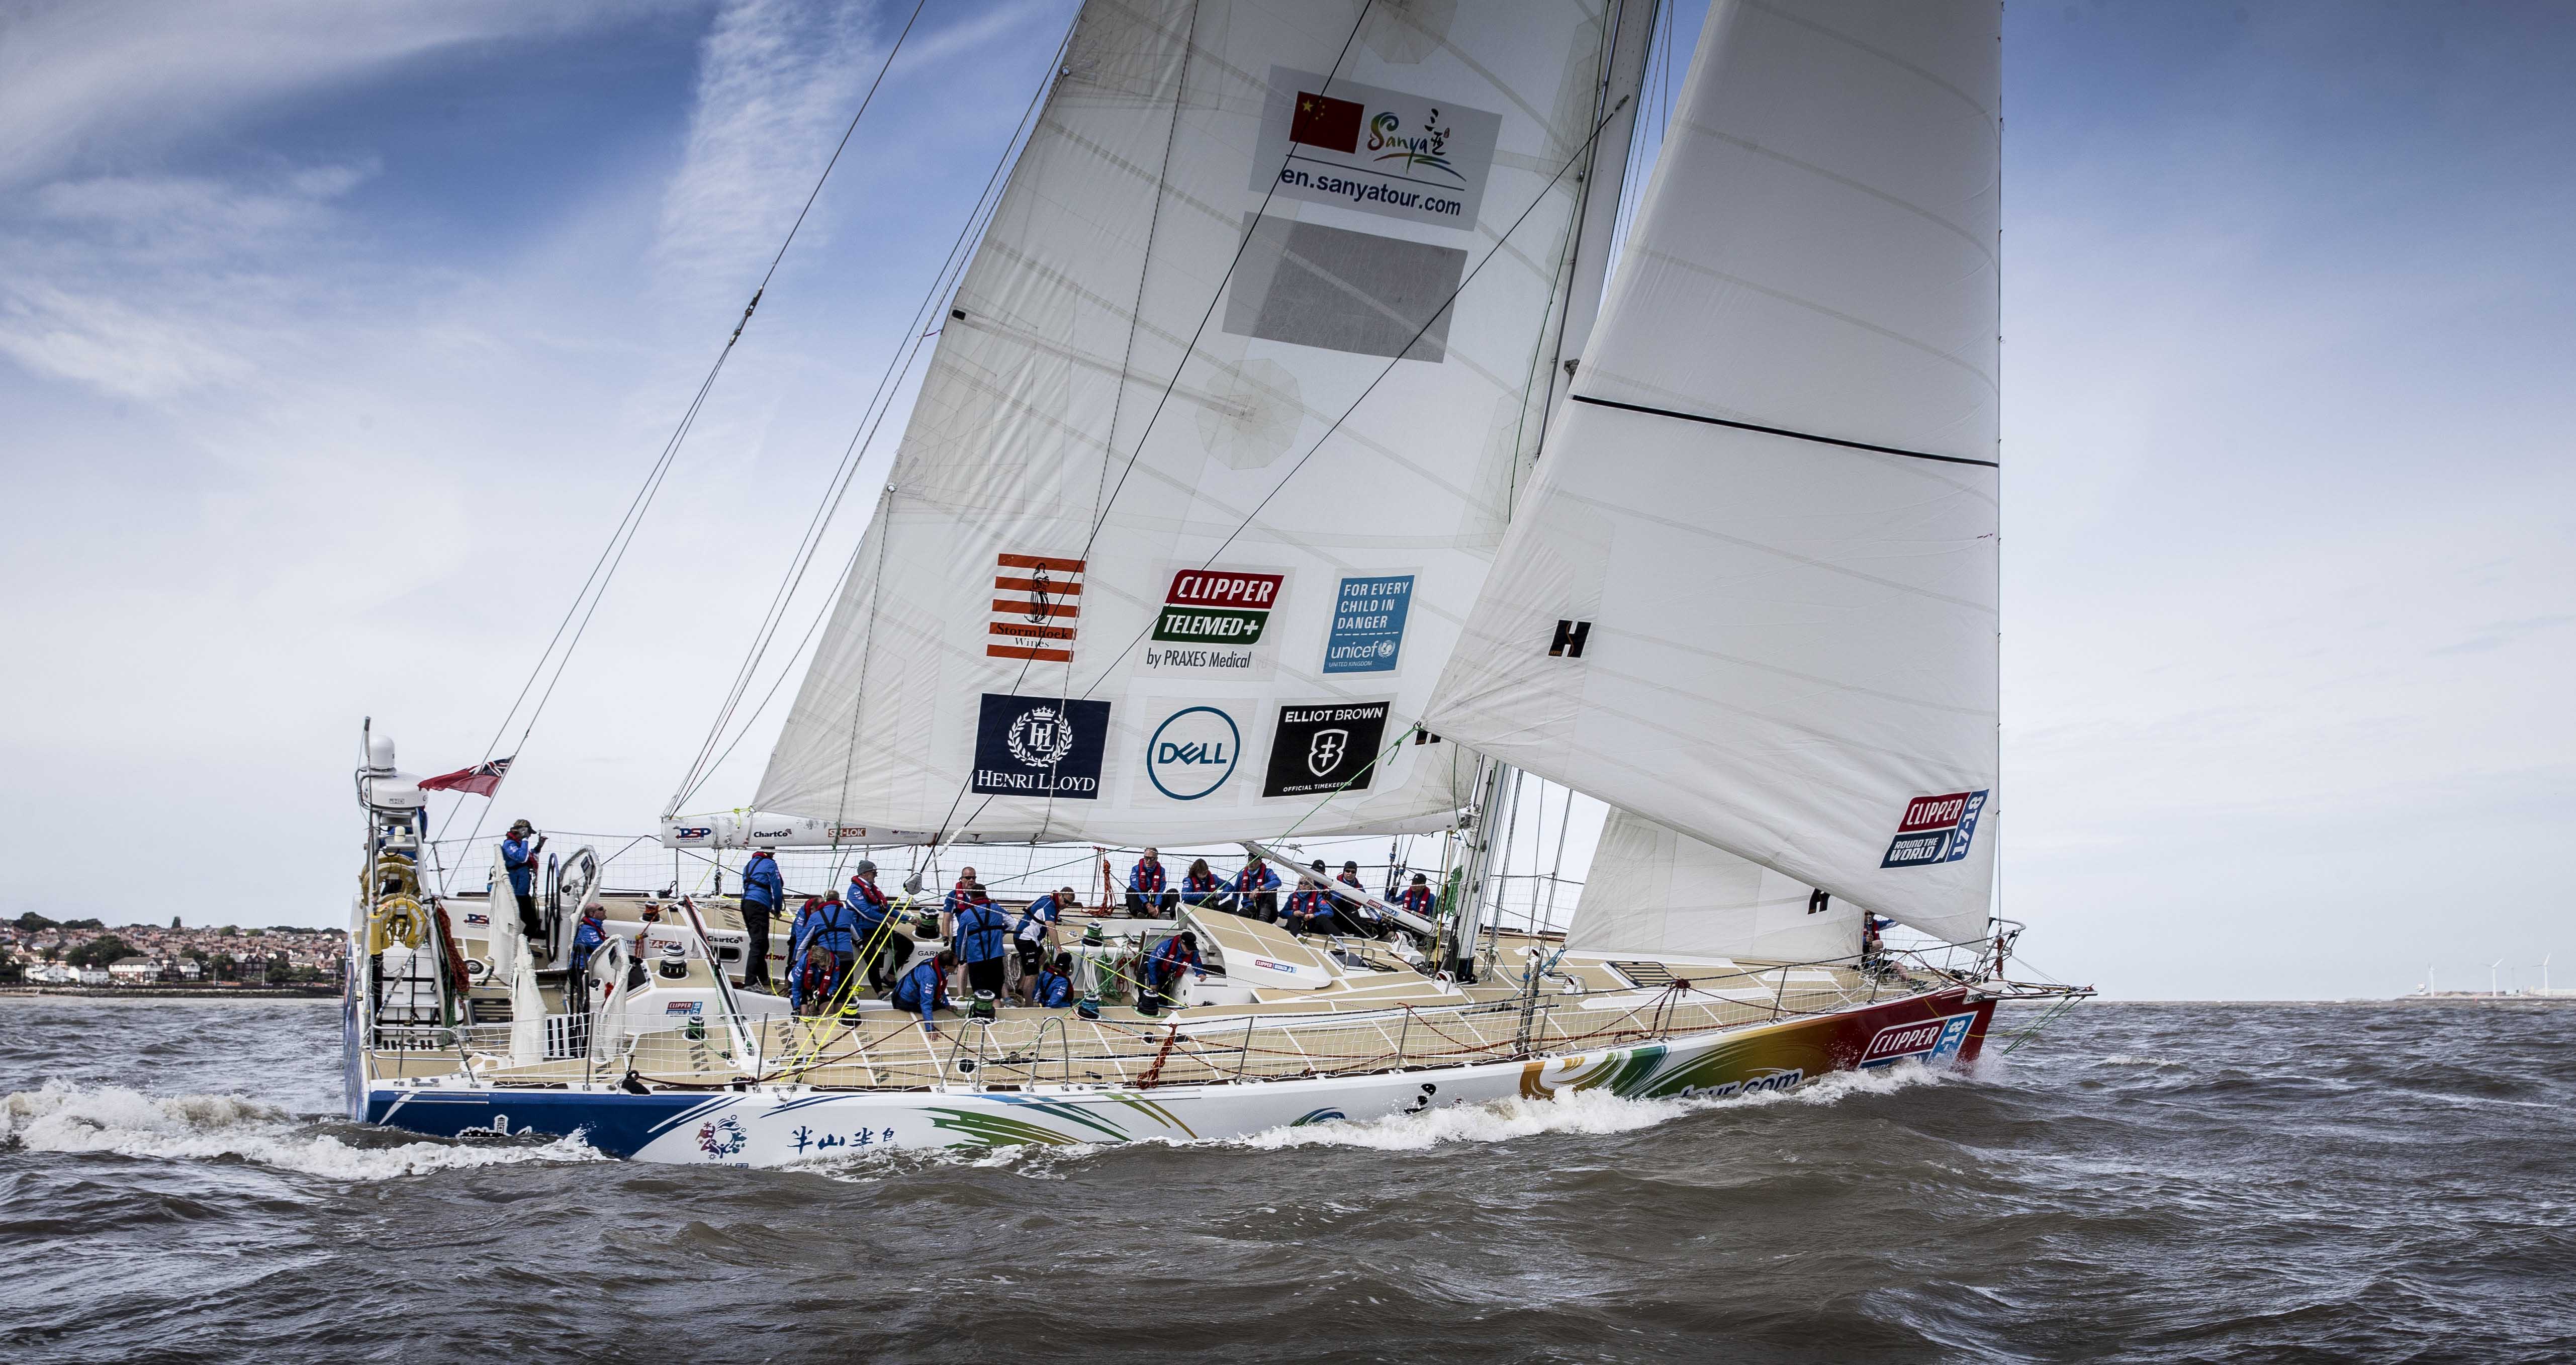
(1230,359)
(1750,598)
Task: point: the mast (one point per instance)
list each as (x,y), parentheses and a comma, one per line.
(1468,924)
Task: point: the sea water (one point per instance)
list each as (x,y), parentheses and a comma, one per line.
(2207,1182)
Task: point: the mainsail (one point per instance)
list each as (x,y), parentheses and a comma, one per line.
(1751,593)
(1652,891)
(1222,431)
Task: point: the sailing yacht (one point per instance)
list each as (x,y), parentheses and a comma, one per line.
(1311,447)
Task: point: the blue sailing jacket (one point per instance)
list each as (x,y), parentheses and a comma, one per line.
(920,989)
(514,857)
(761,884)
(983,933)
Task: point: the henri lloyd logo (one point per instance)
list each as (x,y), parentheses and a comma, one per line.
(1212,618)
(1935,829)
(1035,601)
(1040,746)
(1324,749)
(1192,753)
(1379,151)
(1934,1040)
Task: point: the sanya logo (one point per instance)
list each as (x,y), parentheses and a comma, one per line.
(722,1137)
(1040,738)
(1192,753)
(1424,151)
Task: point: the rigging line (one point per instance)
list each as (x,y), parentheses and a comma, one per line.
(643,500)
(950,275)
(844,143)
(1445,305)
(1101,494)
(1100,517)
(1776,431)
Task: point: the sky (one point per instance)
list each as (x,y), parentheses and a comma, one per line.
(334,340)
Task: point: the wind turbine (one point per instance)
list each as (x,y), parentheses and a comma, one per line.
(2491,977)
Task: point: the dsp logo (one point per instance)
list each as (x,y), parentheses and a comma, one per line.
(1935,829)
(1936,1041)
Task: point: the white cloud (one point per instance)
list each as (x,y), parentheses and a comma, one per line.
(108,82)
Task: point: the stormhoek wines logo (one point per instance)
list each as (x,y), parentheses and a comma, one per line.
(1040,746)
(1193,752)
(1935,829)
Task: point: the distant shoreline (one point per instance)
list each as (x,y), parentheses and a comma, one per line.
(144,995)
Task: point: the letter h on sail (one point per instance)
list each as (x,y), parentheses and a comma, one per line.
(1570,636)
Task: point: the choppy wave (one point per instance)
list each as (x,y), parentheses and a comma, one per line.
(1595,1112)
(67,1117)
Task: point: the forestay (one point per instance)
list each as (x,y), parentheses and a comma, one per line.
(1653,892)
(1751,595)
(1243,645)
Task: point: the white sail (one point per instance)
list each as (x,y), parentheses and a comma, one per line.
(1751,596)
(1290,520)
(1652,892)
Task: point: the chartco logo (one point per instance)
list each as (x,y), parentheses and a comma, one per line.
(1193,752)
(1935,829)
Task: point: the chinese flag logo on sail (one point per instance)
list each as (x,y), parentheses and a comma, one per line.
(1036,599)
(1323,121)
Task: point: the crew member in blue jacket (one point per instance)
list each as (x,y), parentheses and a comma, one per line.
(1310,903)
(961,894)
(925,988)
(1202,888)
(587,937)
(1149,894)
(834,928)
(983,941)
(1164,965)
(1354,909)
(1256,892)
(810,980)
(1052,989)
(1031,937)
(518,858)
(763,891)
(868,905)
(1419,897)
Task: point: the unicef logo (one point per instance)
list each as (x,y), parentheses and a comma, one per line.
(1192,753)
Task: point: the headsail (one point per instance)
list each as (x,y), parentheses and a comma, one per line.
(1751,596)
(1653,891)
(1130,588)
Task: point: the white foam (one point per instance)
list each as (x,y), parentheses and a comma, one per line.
(2129,1059)
(1568,1111)
(63,1117)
